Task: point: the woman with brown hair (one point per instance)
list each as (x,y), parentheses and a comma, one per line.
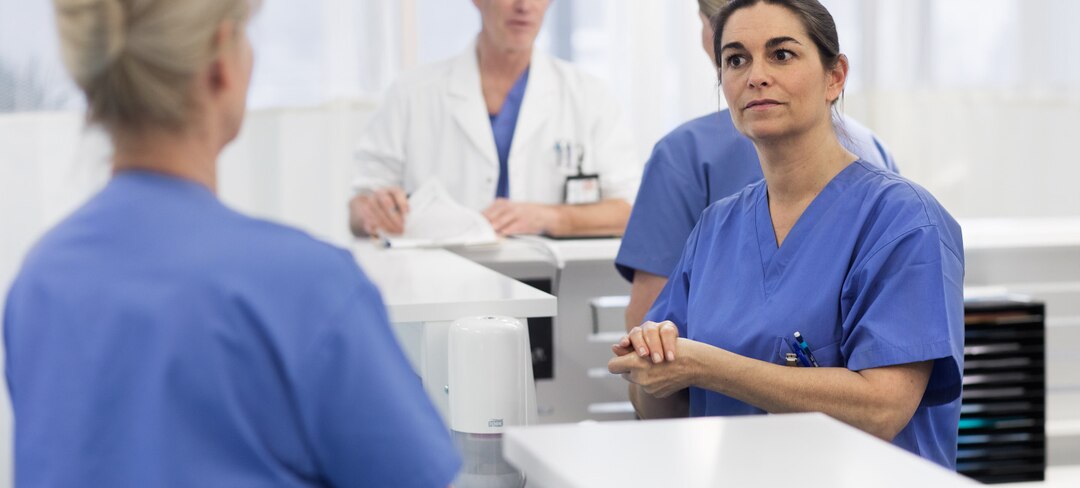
(854,270)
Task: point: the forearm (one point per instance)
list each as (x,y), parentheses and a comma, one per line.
(881,408)
(607,217)
(650,407)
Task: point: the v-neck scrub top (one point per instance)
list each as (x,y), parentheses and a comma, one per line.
(503,125)
(871,275)
(698,163)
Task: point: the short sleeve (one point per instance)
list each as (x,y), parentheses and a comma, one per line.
(369,420)
(904,304)
(673,301)
(668,204)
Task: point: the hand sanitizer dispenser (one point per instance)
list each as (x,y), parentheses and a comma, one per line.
(488,385)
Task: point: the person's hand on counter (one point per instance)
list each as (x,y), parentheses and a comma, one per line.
(511,218)
(383,210)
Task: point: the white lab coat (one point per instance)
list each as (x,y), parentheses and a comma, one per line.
(434,124)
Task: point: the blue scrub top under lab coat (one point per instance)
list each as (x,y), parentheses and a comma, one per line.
(693,166)
(158,338)
(503,125)
(871,275)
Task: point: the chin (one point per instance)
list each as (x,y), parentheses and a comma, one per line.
(522,42)
(764,130)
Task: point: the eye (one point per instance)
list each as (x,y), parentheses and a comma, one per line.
(783,55)
(735,61)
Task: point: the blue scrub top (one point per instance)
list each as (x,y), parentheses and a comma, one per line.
(871,275)
(695,165)
(503,125)
(157,338)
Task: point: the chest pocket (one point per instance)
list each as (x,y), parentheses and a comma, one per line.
(826,356)
(829,356)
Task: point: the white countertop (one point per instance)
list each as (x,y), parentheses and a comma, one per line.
(542,249)
(429,285)
(798,450)
(1020,233)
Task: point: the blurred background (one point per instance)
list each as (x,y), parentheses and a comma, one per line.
(979,100)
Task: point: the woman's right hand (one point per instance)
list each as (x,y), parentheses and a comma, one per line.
(654,340)
(383,210)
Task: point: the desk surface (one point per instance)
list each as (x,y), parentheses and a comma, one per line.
(718,451)
(429,285)
(542,249)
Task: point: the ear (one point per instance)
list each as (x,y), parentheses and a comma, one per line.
(836,79)
(222,69)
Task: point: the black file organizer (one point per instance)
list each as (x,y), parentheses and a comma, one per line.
(1002,436)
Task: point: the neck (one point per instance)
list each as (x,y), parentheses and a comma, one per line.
(797,168)
(500,62)
(186,154)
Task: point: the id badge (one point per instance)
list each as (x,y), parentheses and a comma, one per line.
(582,189)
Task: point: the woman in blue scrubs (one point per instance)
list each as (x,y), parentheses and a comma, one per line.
(864,264)
(158,338)
(698,163)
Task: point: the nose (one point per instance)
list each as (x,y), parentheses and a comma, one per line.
(759,76)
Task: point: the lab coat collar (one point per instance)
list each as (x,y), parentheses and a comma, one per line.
(470,110)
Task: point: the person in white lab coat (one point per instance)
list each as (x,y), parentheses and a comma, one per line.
(534,143)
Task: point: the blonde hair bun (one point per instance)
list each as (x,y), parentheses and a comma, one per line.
(135,60)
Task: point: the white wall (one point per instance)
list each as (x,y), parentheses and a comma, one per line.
(982,154)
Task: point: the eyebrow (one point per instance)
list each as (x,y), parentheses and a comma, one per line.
(776,41)
(771,43)
(732,45)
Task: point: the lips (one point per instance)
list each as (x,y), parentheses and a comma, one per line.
(761,103)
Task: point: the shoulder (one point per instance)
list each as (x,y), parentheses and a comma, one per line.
(293,272)
(713,129)
(714,132)
(736,204)
(705,138)
(900,206)
(295,255)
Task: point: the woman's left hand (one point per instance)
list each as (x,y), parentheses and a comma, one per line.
(512,218)
(657,379)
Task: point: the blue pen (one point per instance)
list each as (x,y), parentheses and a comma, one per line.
(799,354)
(805,348)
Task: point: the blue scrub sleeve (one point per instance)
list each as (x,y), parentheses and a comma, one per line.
(673,302)
(369,420)
(905,304)
(668,204)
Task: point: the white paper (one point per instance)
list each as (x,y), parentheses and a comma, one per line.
(436,220)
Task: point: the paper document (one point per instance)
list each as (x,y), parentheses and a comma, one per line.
(436,220)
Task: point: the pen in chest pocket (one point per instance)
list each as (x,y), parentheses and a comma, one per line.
(805,348)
